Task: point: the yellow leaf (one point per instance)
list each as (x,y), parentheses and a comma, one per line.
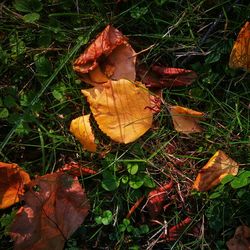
(214,171)
(121,109)
(240,55)
(186,120)
(81,129)
(12,181)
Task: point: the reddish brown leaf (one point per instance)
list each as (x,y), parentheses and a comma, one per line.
(163,77)
(175,231)
(12,181)
(55,206)
(156,199)
(241,239)
(109,56)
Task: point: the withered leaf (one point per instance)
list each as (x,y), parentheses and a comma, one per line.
(164,77)
(214,171)
(186,120)
(241,239)
(109,56)
(55,206)
(81,129)
(121,109)
(240,55)
(12,181)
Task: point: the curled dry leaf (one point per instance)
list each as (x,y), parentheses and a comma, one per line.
(55,206)
(12,181)
(121,109)
(241,239)
(81,129)
(240,55)
(186,120)
(214,171)
(163,77)
(109,56)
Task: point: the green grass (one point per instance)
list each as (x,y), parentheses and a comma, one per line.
(40,95)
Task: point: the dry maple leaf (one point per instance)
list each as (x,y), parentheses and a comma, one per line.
(186,120)
(241,239)
(240,55)
(55,206)
(214,171)
(163,77)
(81,129)
(121,109)
(12,181)
(109,56)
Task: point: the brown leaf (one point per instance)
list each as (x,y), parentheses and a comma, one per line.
(12,181)
(55,206)
(214,171)
(121,109)
(81,129)
(241,239)
(163,77)
(240,55)
(108,57)
(186,120)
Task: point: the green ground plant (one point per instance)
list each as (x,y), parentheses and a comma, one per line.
(40,94)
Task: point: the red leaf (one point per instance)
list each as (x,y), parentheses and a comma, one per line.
(163,77)
(56,205)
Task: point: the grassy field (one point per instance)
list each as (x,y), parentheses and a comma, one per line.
(40,95)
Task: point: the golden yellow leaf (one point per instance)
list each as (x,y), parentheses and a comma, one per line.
(186,120)
(214,171)
(121,109)
(12,181)
(240,55)
(81,129)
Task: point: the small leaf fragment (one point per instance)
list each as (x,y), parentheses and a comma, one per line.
(240,55)
(81,129)
(121,109)
(214,171)
(241,239)
(12,181)
(186,120)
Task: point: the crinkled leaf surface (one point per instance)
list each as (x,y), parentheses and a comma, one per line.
(214,171)
(163,77)
(55,206)
(121,109)
(12,181)
(240,55)
(241,239)
(81,129)
(186,120)
(108,56)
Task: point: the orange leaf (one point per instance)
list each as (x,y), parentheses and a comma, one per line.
(121,109)
(186,120)
(81,129)
(108,57)
(55,206)
(12,181)
(240,55)
(241,239)
(214,171)
(163,77)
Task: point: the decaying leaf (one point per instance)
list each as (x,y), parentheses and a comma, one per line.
(121,109)
(81,129)
(241,239)
(12,181)
(55,206)
(240,55)
(163,77)
(186,120)
(214,171)
(108,57)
